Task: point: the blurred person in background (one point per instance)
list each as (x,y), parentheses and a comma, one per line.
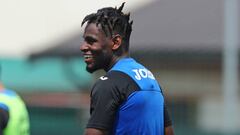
(14,119)
(127,100)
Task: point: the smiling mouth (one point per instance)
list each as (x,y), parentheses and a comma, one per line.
(88,57)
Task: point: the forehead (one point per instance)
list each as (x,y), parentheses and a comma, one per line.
(93,29)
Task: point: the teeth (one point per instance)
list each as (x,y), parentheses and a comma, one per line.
(87,56)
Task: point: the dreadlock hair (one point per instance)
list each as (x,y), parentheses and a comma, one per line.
(113,21)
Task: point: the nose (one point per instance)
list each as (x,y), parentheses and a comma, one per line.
(84,47)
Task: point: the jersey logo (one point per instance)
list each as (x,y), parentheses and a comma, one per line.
(143,73)
(103,78)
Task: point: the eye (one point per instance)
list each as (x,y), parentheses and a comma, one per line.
(90,40)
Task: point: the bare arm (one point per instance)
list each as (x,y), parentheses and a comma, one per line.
(168,130)
(94,131)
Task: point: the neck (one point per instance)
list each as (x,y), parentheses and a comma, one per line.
(115,59)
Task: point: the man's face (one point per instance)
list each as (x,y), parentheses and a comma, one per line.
(96,48)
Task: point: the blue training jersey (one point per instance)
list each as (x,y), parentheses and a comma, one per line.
(142,112)
(127,101)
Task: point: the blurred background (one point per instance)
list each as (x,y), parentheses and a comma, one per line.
(191,46)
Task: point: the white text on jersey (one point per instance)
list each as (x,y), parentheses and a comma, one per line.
(143,73)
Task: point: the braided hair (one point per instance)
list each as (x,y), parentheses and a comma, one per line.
(113,21)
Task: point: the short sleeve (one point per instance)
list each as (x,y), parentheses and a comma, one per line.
(105,100)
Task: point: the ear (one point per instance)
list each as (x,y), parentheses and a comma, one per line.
(117,41)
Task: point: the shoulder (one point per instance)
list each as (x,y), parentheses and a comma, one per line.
(114,79)
(113,76)
(114,83)
(108,82)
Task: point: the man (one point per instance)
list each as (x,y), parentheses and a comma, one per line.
(13,113)
(127,100)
